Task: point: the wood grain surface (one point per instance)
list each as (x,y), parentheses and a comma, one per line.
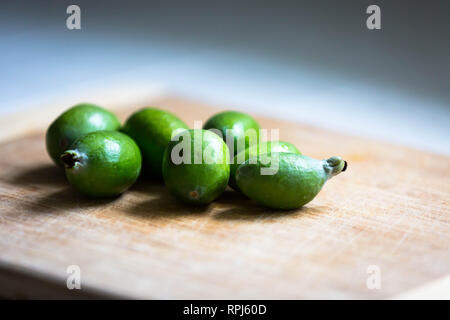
(390,209)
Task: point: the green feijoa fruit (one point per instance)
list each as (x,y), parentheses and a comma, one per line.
(243,129)
(76,122)
(152,130)
(256,149)
(102,163)
(293,181)
(196,166)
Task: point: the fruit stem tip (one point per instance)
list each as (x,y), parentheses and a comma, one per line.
(69,158)
(335,165)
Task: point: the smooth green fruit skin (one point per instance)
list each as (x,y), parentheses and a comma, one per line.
(297,181)
(198,183)
(238,123)
(152,130)
(74,123)
(256,149)
(105,163)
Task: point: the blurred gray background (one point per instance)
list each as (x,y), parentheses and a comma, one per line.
(308,61)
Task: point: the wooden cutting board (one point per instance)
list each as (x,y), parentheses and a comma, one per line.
(389,212)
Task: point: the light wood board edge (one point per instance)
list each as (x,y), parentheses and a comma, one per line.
(435,290)
(23,283)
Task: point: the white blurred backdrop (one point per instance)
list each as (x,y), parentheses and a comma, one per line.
(308,61)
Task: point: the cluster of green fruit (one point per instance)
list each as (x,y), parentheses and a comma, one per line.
(103,159)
